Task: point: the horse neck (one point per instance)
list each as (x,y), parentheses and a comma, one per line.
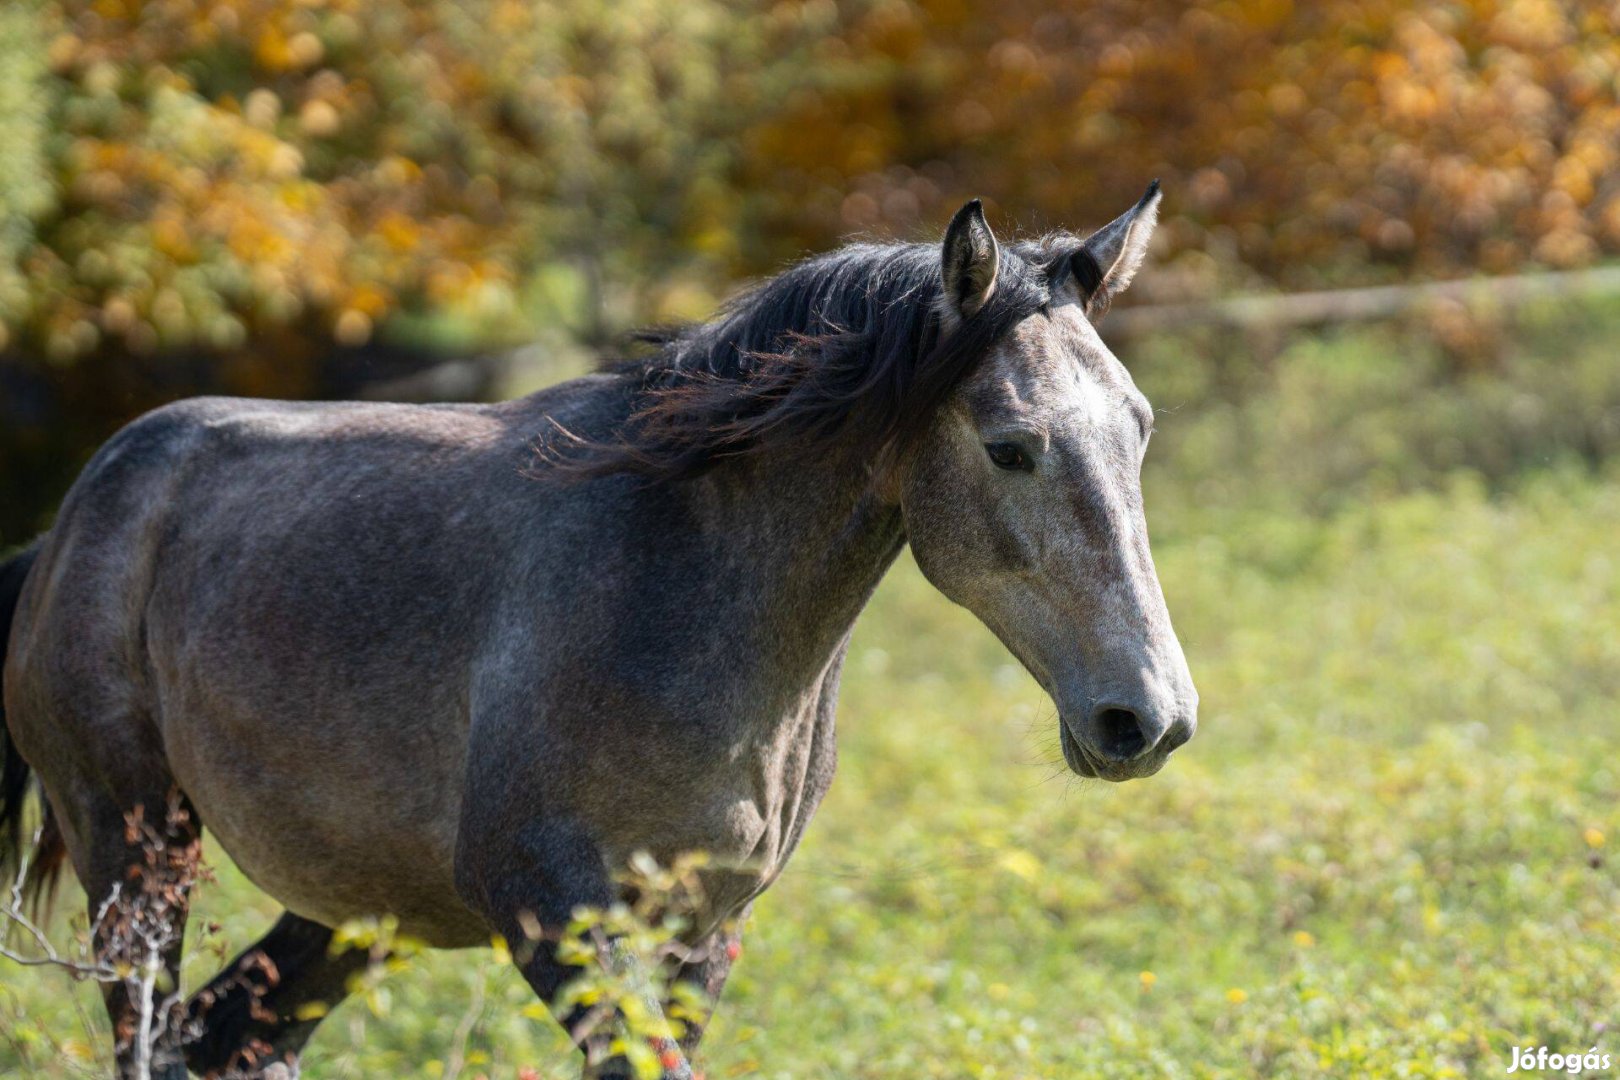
(813,539)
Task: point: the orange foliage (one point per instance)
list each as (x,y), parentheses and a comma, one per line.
(1301,142)
(232,165)
(229,167)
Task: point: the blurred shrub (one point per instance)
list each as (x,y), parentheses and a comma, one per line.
(1300,143)
(1355,415)
(207,195)
(209,172)
(25,190)
(227,167)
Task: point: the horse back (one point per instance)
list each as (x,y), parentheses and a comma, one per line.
(268,598)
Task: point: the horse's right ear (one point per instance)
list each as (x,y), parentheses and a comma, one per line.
(1109,258)
(969,261)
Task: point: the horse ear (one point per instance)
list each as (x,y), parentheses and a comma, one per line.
(1109,257)
(969,259)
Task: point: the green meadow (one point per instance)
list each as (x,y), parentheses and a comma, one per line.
(1393,849)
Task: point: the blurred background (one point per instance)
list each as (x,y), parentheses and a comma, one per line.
(316,198)
(1384,507)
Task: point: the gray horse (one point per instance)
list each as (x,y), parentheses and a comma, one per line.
(458,663)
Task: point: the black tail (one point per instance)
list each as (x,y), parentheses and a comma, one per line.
(14,771)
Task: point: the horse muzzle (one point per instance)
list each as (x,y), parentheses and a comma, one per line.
(1116,743)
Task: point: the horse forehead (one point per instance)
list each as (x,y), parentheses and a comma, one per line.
(1057,365)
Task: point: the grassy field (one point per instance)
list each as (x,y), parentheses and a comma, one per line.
(1391,850)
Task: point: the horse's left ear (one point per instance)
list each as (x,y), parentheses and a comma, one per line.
(969,259)
(1109,257)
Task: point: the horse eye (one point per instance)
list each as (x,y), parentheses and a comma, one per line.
(1007,455)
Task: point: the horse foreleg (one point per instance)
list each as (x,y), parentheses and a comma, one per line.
(255,1016)
(705,972)
(528,886)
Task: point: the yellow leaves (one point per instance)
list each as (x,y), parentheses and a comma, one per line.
(189,173)
(171,237)
(682,301)
(449,281)
(1021,864)
(1565,247)
(512,17)
(1459,141)
(319,119)
(1432,134)
(1410,101)
(1287,100)
(1571,176)
(63,53)
(394,171)
(305,50)
(1594,837)
(79,1050)
(398,231)
(283,162)
(276,51)
(261,108)
(352,328)
(118,314)
(369,300)
(102,78)
(270,49)
(311,1010)
(252,240)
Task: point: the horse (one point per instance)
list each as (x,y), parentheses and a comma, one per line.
(460,663)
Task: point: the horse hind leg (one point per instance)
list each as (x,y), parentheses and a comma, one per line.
(137,866)
(254,1017)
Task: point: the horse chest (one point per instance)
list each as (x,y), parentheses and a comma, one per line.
(749,809)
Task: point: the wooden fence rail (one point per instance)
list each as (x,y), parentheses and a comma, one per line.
(1354,305)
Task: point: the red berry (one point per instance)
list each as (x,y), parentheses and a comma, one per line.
(670,1060)
(733,949)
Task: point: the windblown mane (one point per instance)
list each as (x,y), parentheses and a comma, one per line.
(852,345)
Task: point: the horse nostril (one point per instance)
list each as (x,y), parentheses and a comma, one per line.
(1119,733)
(1176,737)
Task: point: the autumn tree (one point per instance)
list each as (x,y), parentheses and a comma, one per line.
(242,195)
(1300,143)
(212,194)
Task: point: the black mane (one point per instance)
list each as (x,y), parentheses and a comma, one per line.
(851,345)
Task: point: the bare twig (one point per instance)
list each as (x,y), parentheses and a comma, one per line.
(13,914)
(132,933)
(457,1058)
